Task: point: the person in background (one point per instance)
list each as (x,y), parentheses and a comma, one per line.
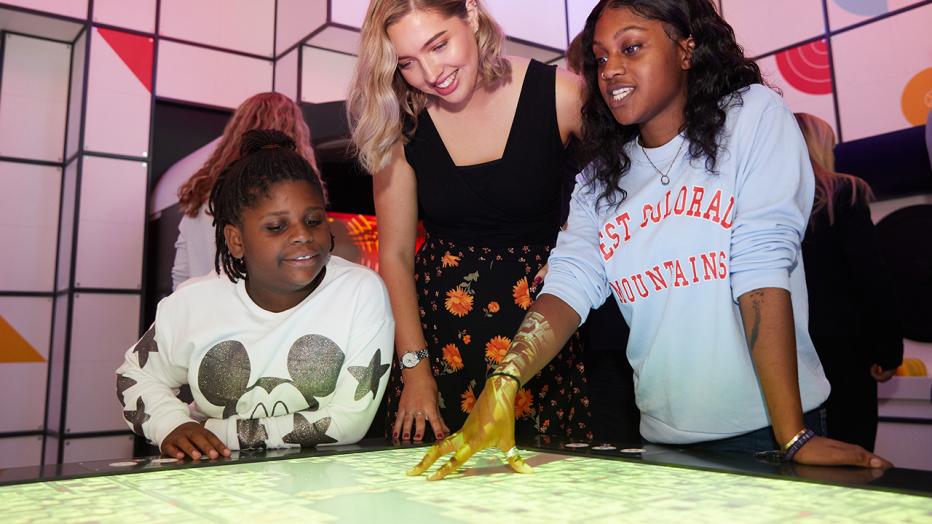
(473,142)
(288,346)
(195,248)
(852,308)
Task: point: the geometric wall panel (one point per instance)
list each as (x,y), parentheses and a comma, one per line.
(20,452)
(56,361)
(539,21)
(755,25)
(578,11)
(76,96)
(103,328)
(884,87)
(111,224)
(138,14)
(210,77)
(26,23)
(843,13)
(348,12)
(514,48)
(119,93)
(338,39)
(29,226)
(296,19)
(805,91)
(34,100)
(239,25)
(72,8)
(24,351)
(286,74)
(98,448)
(66,227)
(337,68)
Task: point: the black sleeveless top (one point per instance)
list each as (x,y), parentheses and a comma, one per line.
(512,201)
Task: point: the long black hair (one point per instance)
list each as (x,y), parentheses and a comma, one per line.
(718,69)
(266,158)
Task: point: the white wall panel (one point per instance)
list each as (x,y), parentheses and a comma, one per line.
(20,452)
(29,226)
(820,105)
(296,19)
(103,328)
(539,21)
(66,224)
(210,77)
(286,74)
(76,97)
(845,13)
(578,11)
(336,68)
(111,224)
(39,25)
(56,361)
(101,448)
(34,98)
(348,12)
(529,51)
(22,384)
(137,14)
(73,8)
(241,25)
(338,39)
(118,104)
(762,30)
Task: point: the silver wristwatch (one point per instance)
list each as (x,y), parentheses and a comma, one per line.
(412,358)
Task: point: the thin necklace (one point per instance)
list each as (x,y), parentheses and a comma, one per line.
(664,177)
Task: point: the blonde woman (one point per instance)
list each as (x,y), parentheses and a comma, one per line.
(473,143)
(852,313)
(195,248)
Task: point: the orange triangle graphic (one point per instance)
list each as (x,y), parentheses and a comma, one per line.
(15,348)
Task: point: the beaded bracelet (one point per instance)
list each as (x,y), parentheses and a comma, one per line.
(503,374)
(797,443)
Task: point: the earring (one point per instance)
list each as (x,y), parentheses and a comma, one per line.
(603,75)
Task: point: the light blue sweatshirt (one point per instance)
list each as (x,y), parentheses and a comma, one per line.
(677,257)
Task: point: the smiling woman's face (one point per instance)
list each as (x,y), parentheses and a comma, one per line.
(437,55)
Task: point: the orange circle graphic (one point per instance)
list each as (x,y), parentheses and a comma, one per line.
(917,97)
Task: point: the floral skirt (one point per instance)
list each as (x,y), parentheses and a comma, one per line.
(472,300)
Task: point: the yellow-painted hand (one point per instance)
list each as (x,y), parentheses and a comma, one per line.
(490,424)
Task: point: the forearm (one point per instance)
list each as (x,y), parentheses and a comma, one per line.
(768,324)
(549,323)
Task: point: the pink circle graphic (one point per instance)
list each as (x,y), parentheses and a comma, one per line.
(806,68)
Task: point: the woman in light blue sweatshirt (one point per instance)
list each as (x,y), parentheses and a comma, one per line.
(690,216)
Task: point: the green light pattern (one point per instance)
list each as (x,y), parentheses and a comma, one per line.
(371,487)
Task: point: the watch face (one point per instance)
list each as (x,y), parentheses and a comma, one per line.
(409,359)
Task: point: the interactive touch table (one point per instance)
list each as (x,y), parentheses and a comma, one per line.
(367,483)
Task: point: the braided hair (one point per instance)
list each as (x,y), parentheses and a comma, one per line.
(266,158)
(718,72)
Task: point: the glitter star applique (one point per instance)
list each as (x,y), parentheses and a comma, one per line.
(369,376)
(123,383)
(306,434)
(138,417)
(251,434)
(145,346)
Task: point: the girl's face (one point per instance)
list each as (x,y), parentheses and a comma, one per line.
(642,71)
(285,241)
(438,55)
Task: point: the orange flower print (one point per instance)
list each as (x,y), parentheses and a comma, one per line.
(450,260)
(452,357)
(468,400)
(493,307)
(458,302)
(521,295)
(496,348)
(523,403)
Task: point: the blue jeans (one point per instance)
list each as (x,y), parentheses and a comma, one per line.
(761,439)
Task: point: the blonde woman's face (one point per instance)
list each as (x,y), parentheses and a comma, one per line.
(437,55)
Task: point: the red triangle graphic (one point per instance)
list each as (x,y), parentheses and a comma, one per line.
(134,50)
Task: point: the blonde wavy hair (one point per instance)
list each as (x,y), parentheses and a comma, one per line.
(273,111)
(380,99)
(820,140)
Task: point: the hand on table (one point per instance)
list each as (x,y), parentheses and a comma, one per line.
(490,424)
(194,440)
(822,451)
(418,406)
(880,374)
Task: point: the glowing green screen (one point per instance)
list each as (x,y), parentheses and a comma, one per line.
(371,487)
